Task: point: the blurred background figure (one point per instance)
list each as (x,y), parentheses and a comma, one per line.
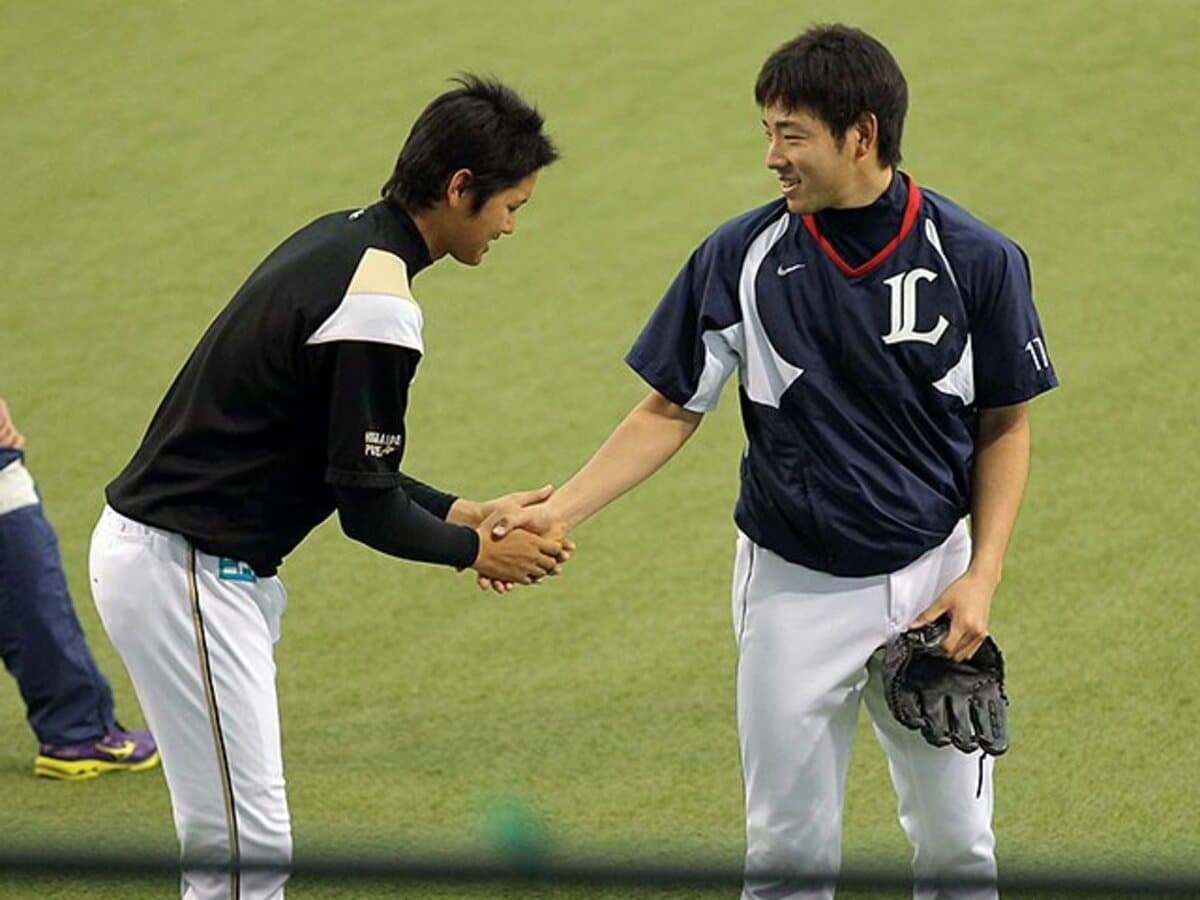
(68,701)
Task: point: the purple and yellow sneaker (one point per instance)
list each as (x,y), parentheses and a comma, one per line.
(118,751)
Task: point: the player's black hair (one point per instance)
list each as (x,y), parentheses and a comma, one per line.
(481,125)
(838,73)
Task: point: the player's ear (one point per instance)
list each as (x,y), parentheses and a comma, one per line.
(457,186)
(865,134)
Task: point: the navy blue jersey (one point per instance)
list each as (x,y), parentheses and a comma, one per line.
(9,455)
(859,385)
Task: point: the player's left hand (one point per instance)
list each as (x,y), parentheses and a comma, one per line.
(968,601)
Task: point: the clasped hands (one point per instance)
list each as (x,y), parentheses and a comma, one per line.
(520,540)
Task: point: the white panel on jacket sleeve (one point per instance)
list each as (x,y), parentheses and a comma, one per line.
(378,306)
(722,350)
(16,488)
(765,374)
(960,380)
(379,318)
(931,234)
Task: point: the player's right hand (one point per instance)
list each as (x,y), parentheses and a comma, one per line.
(520,557)
(9,436)
(538,518)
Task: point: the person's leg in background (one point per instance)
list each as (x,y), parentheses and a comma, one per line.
(68,701)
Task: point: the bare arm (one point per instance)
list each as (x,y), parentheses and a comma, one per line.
(637,448)
(473,512)
(1002,449)
(648,436)
(1001,471)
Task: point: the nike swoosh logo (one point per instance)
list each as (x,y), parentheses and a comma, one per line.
(122,752)
(781,271)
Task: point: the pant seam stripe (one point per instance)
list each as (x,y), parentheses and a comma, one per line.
(214,718)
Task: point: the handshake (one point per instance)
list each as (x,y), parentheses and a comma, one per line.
(521,538)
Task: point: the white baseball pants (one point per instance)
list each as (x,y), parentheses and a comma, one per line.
(807,656)
(197,635)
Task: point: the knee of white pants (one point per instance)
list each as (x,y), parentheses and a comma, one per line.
(791,872)
(265,829)
(203,839)
(205,851)
(811,845)
(971,859)
(950,831)
(264,834)
(958,852)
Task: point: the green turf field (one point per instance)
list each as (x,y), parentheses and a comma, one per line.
(154,152)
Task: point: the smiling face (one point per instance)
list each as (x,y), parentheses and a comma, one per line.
(471,231)
(814,171)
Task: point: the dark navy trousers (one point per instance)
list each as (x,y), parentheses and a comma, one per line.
(67,699)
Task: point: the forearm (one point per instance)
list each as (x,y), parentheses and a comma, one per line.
(465,512)
(649,436)
(455,510)
(1001,471)
(392,523)
(436,502)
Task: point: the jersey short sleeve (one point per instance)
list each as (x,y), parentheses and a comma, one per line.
(369,346)
(1011,360)
(692,342)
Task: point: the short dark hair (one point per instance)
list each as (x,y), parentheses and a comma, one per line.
(839,73)
(481,125)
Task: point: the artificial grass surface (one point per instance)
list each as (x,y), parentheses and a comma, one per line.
(155,152)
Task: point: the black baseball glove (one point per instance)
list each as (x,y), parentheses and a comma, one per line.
(949,702)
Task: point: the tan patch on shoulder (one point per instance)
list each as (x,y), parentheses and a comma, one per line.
(380,272)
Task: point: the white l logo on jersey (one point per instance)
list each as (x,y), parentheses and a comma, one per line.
(904,309)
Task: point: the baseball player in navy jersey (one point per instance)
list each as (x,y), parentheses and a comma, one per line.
(886,345)
(293,406)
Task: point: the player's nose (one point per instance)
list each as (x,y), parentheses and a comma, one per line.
(775,159)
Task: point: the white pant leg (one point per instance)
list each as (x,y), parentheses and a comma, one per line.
(950,829)
(199,651)
(803,641)
(806,656)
